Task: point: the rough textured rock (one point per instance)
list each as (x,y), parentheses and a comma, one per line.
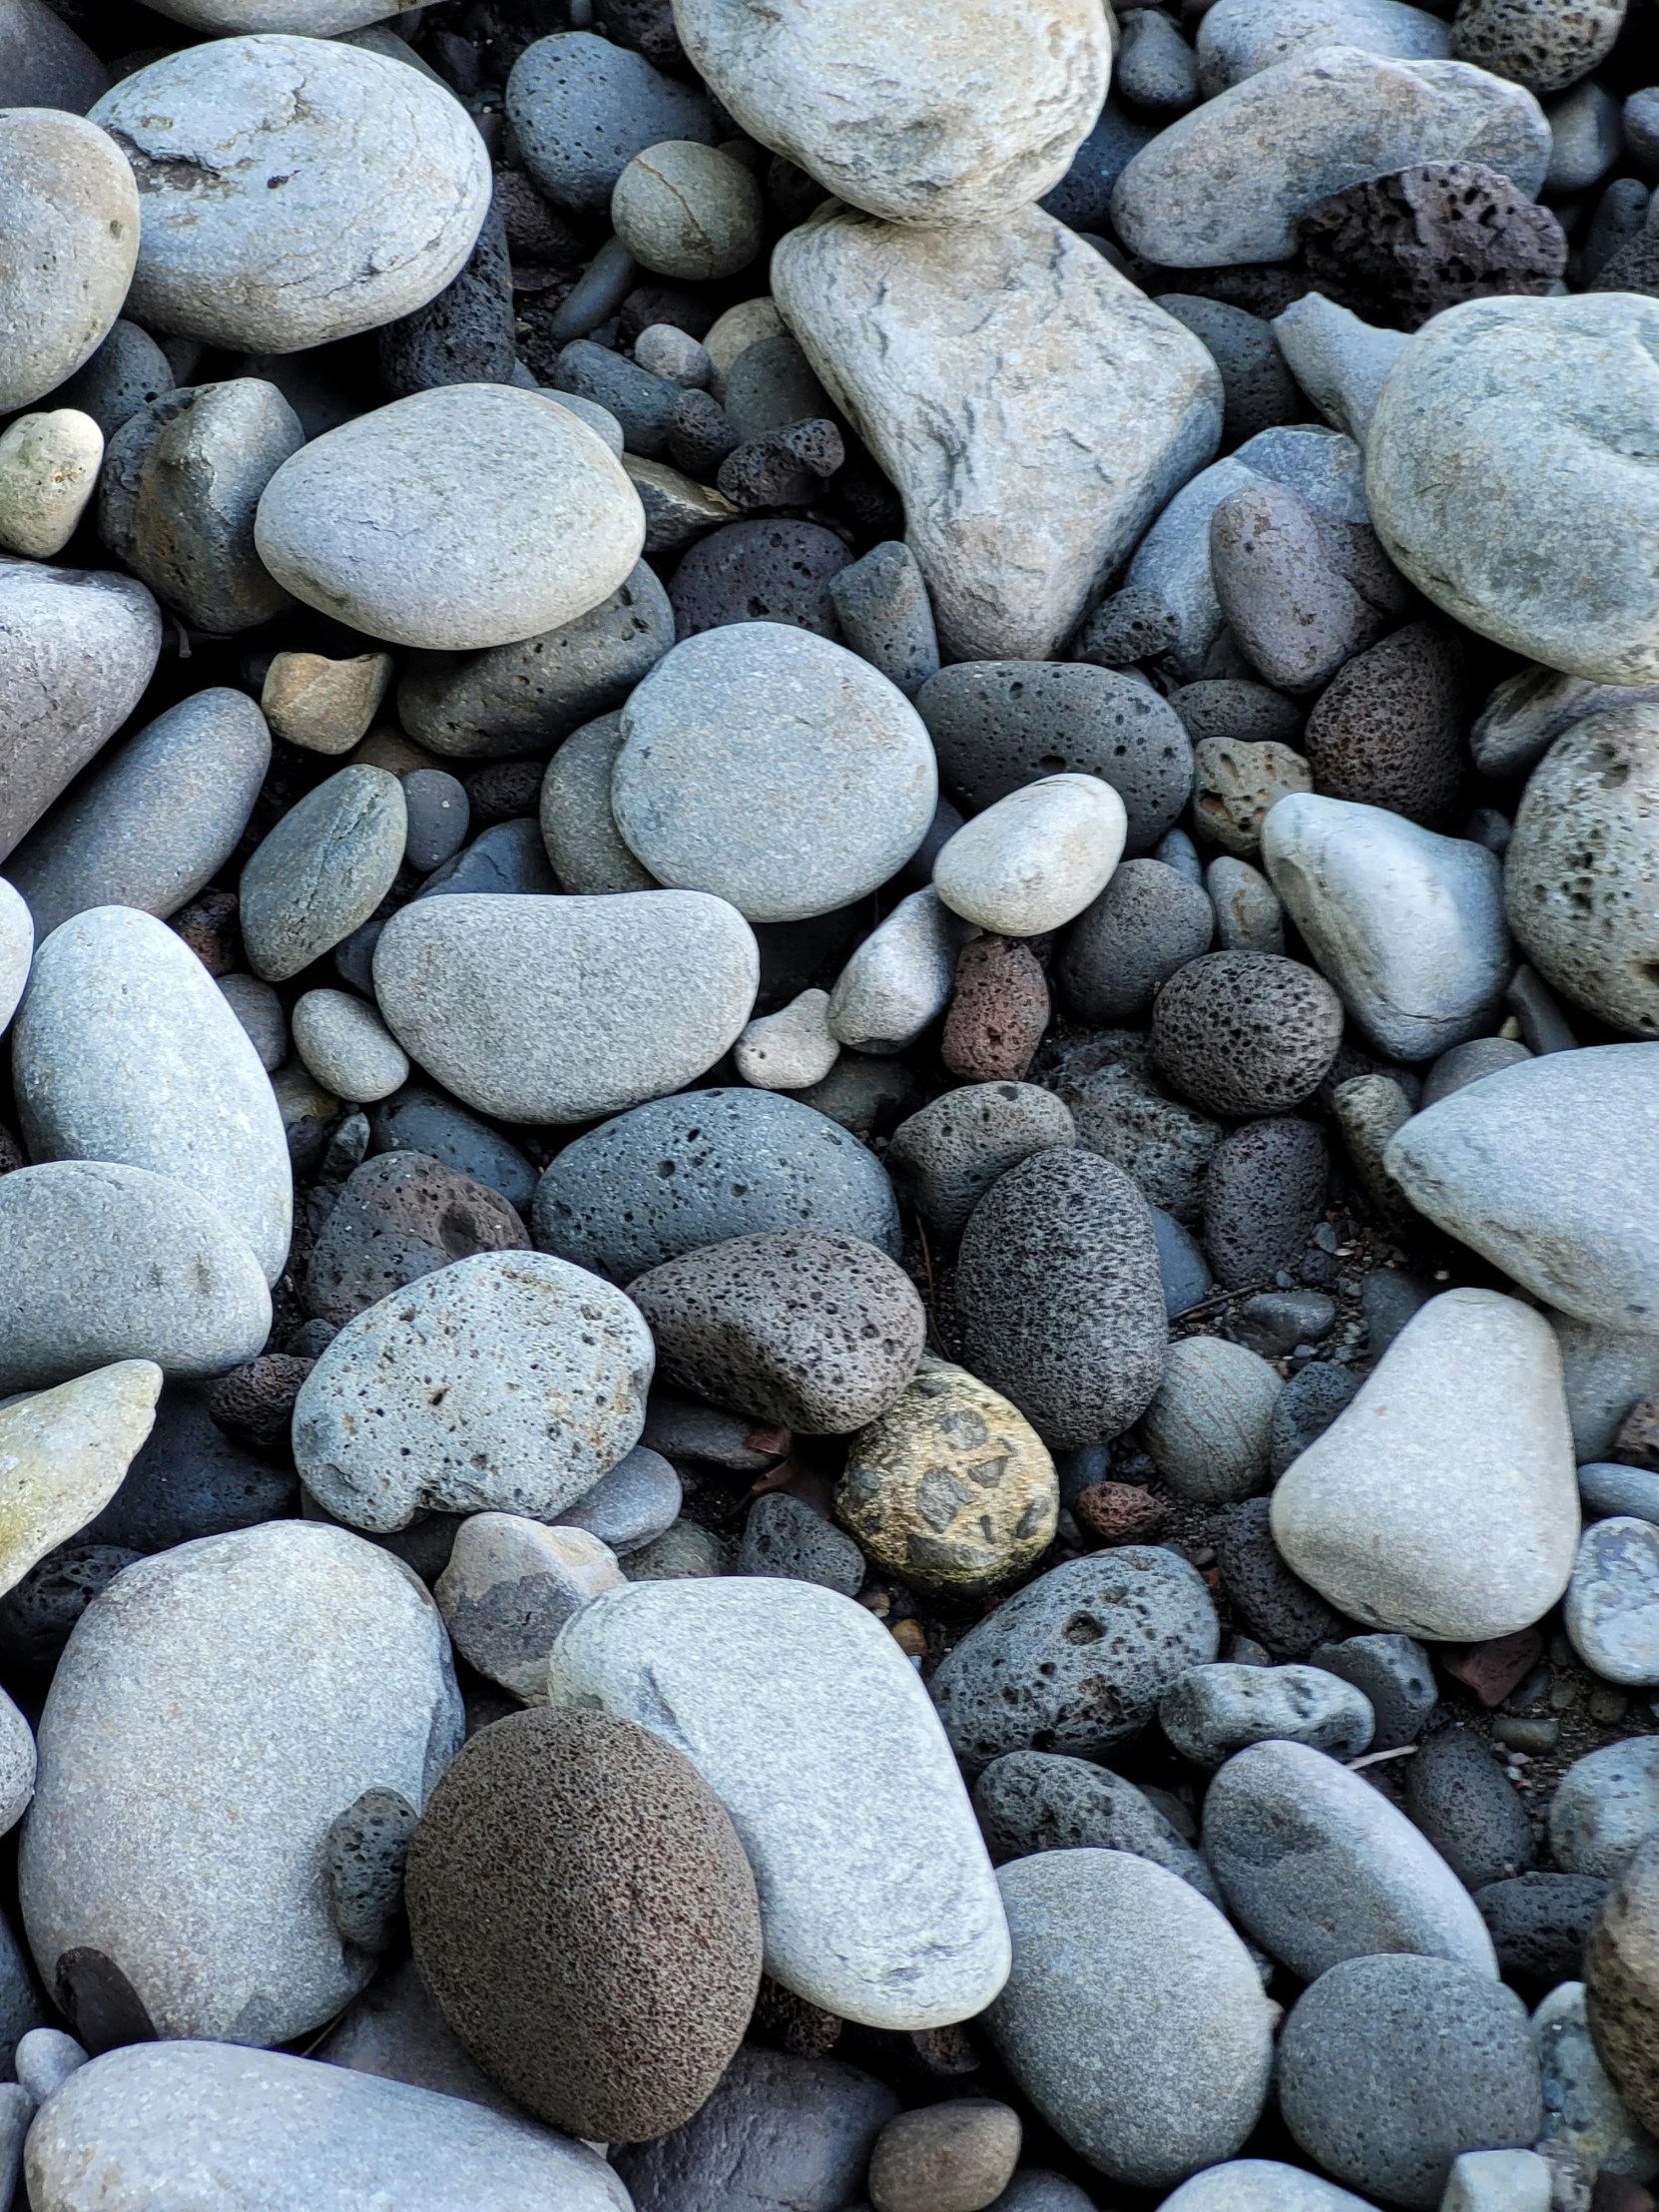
(1388,729)
(401,1216)
(1456,1793)
(784,1537)
(1545,48)
(1621,1984)
(1263,1195)
(999,1011)
(1031,1801)
(1146,923)
(582,107)
(1015,512)
(947,1156)
(1237,782)
(1246,1032)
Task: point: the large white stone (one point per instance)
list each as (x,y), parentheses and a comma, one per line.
(1032,861)
(920,112)
(1408,925)
(1442,1502)
(1033,408)
(813,1728)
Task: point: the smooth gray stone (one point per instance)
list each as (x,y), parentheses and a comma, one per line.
(42,63)
(1261,2185)
(152,2119)
(1463,1064)
(1031,1801)
(1586,138)
(1605,1807)
(642,404)
(1239,38)
(421,1120)
(1388,1302)
(1182,1268)
(693,1170)
(177,497)
(1338,360)
(885,614)
(631,1505)
(100,1263)
(394,2030)
(806,1720)
(1528,712)
(596,294)
(1534,1168)
(582,107)
(945,1157)
(516,699)
(1211,1712)
(1122,949)
(1319,1867)
(77,647)
(173,1702)
(900,978)
(1543,1026)
(770,386)
(125,1050)
(507,860)
(1582,2110)
(1155,69)
(1606,1372)
(1397,1677)
(66,256)
(322,870)
(1607,1488)
(577,824)
(1147,2073)
(369,150)
(564,1009)
(1612,1607)
(439,817)
(155,820)
(127,370)
(1035,2190)
(1082,200)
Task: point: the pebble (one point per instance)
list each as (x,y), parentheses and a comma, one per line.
(48,472)
(347,1047)
(773,570)
(322,870)
(1621,1977)
(806,1720)
(1456,1793)
(438,814)
(1121,1112)
(1605,1491)
(999,1009)
(1535,45)
(1035,859)
(1031,1801)
(688,211)
(396,1218)
(582,107)
(422,1120)
(642,405)
(325,706)
(1260,2185)
(1300,592)
(1235,784)
(563,1009)
(1208,1427)
(1338,360)
(66,1452)
(1319,1867)
(1408,924)
(667,350)
(900,980)
(783,1536)
(631,1506)
(72,238)
(1147,2076)
(1263,1195)
(952,2157)
(124,374)
(1394,1672)
(577,824)
(1612,1607)
(773,769)
(188,1480)
(1463,1064)
(1124,947)
(886,616)
(791,1049)
(360,141)
(945,1158)
(45,64)
(1112,1631)
(1211,1712)
(1387,731)
(951,1489)
(809,1328)
(581,1909)
(1247,914)
(1240,38)
(1246,1032)
(1582,2109)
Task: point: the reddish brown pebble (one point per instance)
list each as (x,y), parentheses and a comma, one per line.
(209,925)
(1120,1512)
(257,1398)
(999,1012)
(912,1639)
(1637,1442)
(1492,1670)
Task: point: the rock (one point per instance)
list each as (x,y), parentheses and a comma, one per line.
(1607,1371)
(1278,1323)
(1305,128)
(1239,38)
(776,570)
(1282,1613)
(784,1538)
(1605,1490)
(1260,390)
(685,1550)
(509,858)
(395,2031)
(420,1120)
(1463,1064)
(1347,875)
(1067,505)
(510,519)
(72,221)
(1499,2181)
(1387,731)
(1338,360)
(1456,1793)
(1036,859)
(886,616)
(399,1217)
(17,945)
(1610,1610)
(330,2132)
(1121,1113)
(791,1049)
(688,209)
(539,1844)
(322,870)
(1211,1712)
(1236,782)
(1032,1801)
(1432,467)
(1208,1427)
(156,821)
(1536,46)
(1621,1976)
(900,978)
(563,1009)
(1581,925)
(947,1156)
(951,1490)
(946,147)
(127,371)
(42,63)
(1299,591)
(951,2157)
(189,1479)
(206,1898)
(1147,922)
(1319,1867)
(999,726)
(1538,1923)
(1060,1300)
(347,1047)
(1261,2184)
(46,2057)
(1263,1195)
(1394,1673)
(741,739)
(1146,2075)
(1113,1632)
(1528,712)
(577,824)
(325,706)
(1246,1034)
(999,1012)
(65,1452)
(48,472)
(1389,2067)
(631,1505)
(1533,1167)
(1582,2109)
(642,405)
(582,107)
(125,1051)
(811,1328)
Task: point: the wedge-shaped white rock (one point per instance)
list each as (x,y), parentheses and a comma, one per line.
(1547,1168)
(918,113)
(63,1455)
(809,1724)
(899,980)
(1033,408)
(1408,925)
(1442,1502)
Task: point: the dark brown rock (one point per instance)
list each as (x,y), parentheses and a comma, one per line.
(401,1216)
(1263,1195)
(583,1914)
(503,791)
(997,1014)
(759,572)
(1120,1514)
(1636,1443)
(256,1401)
(1387,731)
(1246,1032)
(1397,250)
(1302,591)
(1272,1604)
(957,2156)
(210,927)
(645,25)
(784,2022)
(1621,1977)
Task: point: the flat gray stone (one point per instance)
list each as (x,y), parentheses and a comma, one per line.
(125,1050)
(365,148)
(1613,1608)
(1606,1489)
(1605,1807)
(1606,1372)
(633,1505)
(1340,361)
(42,63)
(71,237)
(582,107)
(158,819)
(1534,1166)
(347,1047)
(463,516)
(564,1009)
(1132,2016)
(219,2121)
(322,870)
(395,2031)
(506,1382)
(1030,454)
(1240,38)
(175,1703)
(774,769)
(1209,1713)
(806,1720)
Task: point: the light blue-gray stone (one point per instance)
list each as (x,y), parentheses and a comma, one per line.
(1612,1604)
(1261,2185)
(1607,1488)
(322,870)
(1211,1712)
(1239,38)
(582,107)
(630,1506)
(1605,1807)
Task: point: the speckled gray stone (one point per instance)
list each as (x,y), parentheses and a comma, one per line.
(1395,1674)
(947,1156)
(1261,2185)
(347,1047)
(1613,1608)
(528,1385)
(66,1452)
(1122,1113)
(577,824)
(175,1702)
(127,371)
(422,1120)
(582,107)
(1606,1489)
(631,1505)
(773,769)
(563,1009)
(1239,38)
(322,870)
(1605,1807)
(1211,1712)
(1147,922)
(368,151)
(1031,1801)
(70,228)
(1147,2074)
(1463,1064)
(696,1169)
(125,1050)
(886,617)
(806,1720)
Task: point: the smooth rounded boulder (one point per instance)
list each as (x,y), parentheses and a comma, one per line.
(271,167)
(69,238)
(808,1723)
(1033,860)
(175,1847)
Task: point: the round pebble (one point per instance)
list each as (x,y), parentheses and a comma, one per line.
(72,238)
(1209,1427)
(687,210)
(1246,1032)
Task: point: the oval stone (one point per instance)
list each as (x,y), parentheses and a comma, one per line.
(1033,860)
(322,870)
(69,237)
(66,1452)
(1612,1609)
(467,515)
